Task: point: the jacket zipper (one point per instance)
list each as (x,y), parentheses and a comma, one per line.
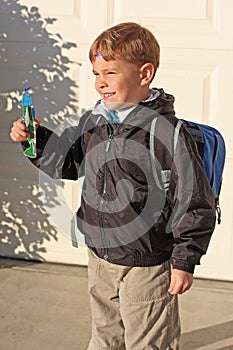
(101,204)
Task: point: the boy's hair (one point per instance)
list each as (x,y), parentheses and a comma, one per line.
(129,42)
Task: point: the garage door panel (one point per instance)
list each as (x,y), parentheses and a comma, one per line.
(190,22)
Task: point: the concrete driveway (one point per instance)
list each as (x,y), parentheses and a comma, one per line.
(45,306)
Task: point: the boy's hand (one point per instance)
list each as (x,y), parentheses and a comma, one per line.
(181,281)
(19,131)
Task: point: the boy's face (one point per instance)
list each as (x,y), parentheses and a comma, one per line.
(119,83)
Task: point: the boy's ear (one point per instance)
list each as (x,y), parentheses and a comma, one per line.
(147,72)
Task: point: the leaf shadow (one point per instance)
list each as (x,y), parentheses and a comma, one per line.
(30,55)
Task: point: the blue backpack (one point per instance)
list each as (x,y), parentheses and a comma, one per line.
(211,147)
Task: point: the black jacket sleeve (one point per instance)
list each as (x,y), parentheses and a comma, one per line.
(60,156)
(192,221)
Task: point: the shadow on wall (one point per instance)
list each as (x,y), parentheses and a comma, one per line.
(29,56)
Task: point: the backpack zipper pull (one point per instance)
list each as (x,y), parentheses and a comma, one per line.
(218,210)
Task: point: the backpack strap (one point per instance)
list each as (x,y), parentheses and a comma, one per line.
(176,134)
(152,154)
(162,179)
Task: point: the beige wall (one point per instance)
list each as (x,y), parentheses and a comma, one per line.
(196,37)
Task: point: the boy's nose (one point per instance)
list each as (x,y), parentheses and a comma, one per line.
(101,84)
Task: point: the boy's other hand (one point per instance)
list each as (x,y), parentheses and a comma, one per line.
(19,130)
(181,281)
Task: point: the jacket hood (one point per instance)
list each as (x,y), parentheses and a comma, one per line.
(163,103)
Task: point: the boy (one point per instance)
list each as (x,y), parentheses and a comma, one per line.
(133,228)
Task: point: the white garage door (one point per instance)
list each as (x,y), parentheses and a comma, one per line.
(46,46)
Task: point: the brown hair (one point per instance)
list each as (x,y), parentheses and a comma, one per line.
(129,42)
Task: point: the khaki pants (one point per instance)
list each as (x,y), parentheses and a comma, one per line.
(131,308)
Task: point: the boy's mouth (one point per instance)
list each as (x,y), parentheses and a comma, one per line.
(108,95)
